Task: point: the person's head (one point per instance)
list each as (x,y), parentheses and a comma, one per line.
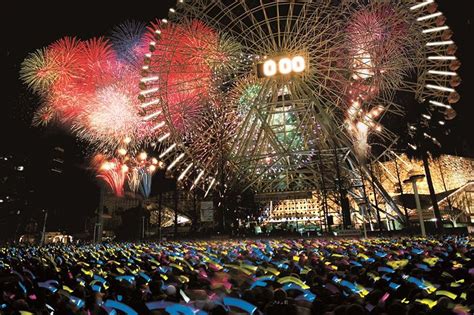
(170,290)
(396,308)
(340,310)
(355,309)
(280,295)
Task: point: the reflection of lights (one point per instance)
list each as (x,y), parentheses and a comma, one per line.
(124,168)
(154,161)
(20,168)
(152,168)
(127,140)
(143,156)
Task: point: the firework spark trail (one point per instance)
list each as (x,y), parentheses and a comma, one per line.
(145,182)
(134,179)
(378,42)
(137,171)
(114,175)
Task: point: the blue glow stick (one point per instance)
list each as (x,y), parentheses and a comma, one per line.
(145,276)
(130,279)
(355,263)
(77,301)
(350,286)
(22,287)
(423,266)
(394,286)
(417,282)
(158,305)
(386,277)
(258,283)
(47,286)
(243,305)
(179,309)
(266,278)
(121,307)
(99,278)
(385,269)
(306,294)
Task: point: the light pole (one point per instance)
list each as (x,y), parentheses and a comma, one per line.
(413,179)
(362,207)
(43,232)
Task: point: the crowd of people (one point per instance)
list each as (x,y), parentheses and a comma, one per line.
(305,276)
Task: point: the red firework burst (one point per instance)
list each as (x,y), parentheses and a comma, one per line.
(187,52)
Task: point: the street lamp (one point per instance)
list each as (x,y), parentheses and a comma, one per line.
(43,232)
(413,179)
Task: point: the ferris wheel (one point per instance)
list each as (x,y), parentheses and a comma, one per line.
(260,90)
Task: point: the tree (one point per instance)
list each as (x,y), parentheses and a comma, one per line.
(424,128)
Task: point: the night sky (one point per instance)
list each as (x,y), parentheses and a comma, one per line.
(31,25)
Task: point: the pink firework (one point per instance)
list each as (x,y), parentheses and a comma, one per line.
(378,49)
(112,115)
(100,64)
(378,41)
(114,174)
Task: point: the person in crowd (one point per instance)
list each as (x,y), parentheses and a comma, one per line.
(299,276)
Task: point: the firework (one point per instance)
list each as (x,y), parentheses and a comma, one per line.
(137,171)
(67,55)
(111,115)
(38,71)
(380,48)
(145,183)
(114,173)
(133,180)
(190,57)
(85,87)
(43,116)
(129,41)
